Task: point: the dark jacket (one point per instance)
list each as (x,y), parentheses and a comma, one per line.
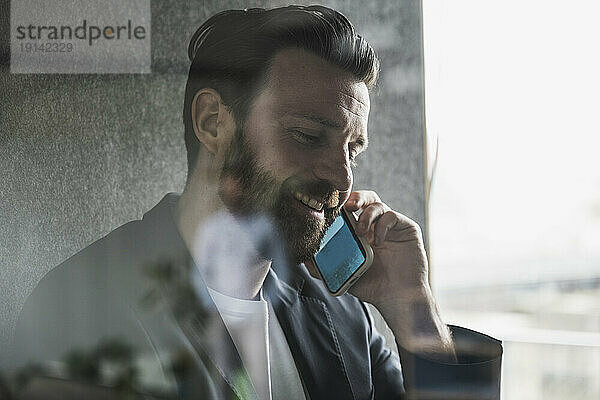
(125,303)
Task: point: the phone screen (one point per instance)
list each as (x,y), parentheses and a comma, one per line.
(340,254)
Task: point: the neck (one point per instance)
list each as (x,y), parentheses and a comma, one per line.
(211,233)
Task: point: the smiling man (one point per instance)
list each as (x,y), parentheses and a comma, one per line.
(276,110)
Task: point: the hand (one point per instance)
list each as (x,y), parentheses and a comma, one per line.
(399,272)
(397,282)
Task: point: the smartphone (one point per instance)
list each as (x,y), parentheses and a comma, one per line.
(343,256)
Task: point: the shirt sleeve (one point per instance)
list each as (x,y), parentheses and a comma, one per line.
(475,376)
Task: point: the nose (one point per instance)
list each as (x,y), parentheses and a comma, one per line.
(333,166)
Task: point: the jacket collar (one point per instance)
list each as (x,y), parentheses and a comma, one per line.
(310,333)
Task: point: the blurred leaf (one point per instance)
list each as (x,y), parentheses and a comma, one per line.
(82,366)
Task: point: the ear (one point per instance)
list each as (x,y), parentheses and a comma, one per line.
(211,120)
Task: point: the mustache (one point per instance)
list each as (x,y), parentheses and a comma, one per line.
(320,190)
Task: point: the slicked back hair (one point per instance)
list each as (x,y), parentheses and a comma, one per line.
(232,51)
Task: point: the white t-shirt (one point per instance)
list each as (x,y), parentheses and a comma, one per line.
(262,346)
(253,325)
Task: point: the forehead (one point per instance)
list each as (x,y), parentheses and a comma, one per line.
(303,83)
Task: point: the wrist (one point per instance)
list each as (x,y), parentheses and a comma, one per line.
(403,300)
(417,325)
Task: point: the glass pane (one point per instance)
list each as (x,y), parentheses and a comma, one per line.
(511,97)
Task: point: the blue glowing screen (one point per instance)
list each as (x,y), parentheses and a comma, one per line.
(339,256)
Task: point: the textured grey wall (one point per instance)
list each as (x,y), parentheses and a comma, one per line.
(83,154)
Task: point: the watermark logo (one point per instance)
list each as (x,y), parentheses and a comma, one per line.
(63,36)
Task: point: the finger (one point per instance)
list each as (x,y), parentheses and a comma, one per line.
(360,199)
(351,205)
(404,230)
(369,216)
(384,224)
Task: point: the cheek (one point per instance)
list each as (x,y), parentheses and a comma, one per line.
(284,157)
(262,145)
(279,154)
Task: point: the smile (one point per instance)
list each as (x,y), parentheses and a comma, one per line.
(308,201)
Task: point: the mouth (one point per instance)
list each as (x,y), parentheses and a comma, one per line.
(309,204)
(308,201)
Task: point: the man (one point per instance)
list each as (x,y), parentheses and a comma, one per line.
(210,296)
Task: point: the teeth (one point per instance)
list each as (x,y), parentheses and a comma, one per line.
(306,200)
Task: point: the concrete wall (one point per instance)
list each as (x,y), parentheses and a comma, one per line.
(83,154)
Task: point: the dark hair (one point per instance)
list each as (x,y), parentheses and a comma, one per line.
(232,51)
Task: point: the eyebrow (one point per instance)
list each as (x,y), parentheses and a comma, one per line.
(320,120)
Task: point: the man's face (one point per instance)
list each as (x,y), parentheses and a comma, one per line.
(292,157)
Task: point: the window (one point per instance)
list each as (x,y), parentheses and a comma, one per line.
(511,94)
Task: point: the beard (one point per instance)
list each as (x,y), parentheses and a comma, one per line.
(248,189)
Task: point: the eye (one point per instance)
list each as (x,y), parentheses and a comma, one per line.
(305,138)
